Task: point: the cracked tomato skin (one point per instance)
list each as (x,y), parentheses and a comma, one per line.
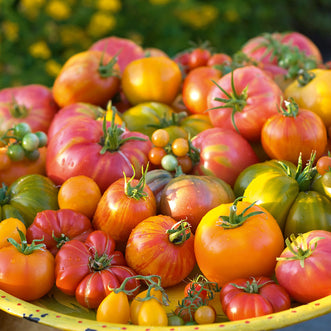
(89,270)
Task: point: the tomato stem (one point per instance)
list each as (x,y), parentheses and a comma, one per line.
(179,233)
(136,192)
(252,286)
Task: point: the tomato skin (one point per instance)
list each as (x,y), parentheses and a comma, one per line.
(323,164)
(223,154)
(286,137)
(78,271)
(57,223)
(225,254)
(315,95)
(160,72)
(205,315)
(28,277)
(152,313)
(239,304)
(198,57)
(117,213)
(81,81)
(190,197)
(316,271)
(196,87)
(33,104)
(148,240)
(261,99)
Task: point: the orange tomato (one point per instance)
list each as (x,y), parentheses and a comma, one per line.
(81,194)
(156,78)
(8,229)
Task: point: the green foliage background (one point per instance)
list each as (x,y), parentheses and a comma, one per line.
(38,36)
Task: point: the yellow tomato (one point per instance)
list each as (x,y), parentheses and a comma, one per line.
(152,313)
(8,229)
(151,79)
(315,95)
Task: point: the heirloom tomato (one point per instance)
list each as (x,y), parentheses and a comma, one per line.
(243,100)
(293,132)
(170,241)
(27,196)
(152,313)
(235,240)
(198,57)
(223,154)
(190,197)
(56,227)
(304,267)
(82,144)
(33,104)
(8,229)
(250,297)
(219,59)
(196,86)
(159,72)
(124,49)
(313,94)
(122,206)
(91,269)
(90,76)
(26,270)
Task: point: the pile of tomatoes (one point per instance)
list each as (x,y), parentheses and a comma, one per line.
(136,170)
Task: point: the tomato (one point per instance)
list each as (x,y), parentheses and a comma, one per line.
(78,140)
(90,76)
(126,50)
(217,59)
(198,57)
(160,138)
(190,197)
(236,240)
(250,297)
(156,154)
(160,72)
(196,87)
(223,154)
(186,163)
(33,104)
(152,313)
(26,271)
(55,227)
(323,164)
(243,100)
(173,244)
(306,260)
(114,308)
(195,123)
(27,196)
(313,95)
(292,132)
(8,229)
(205,315)
(122,206)
(91,269)
(180,147)
(169,162)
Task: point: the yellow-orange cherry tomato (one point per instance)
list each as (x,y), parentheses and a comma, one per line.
(205,315)
(160,138)
(152,313)
(180,146)
(156,154)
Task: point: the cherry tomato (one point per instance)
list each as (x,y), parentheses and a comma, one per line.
(323,164)
(205,315)
(21,129)
(185,162)
(180,146)
(30,142)
(198,57)
(152,313)
(156,154)
(160,138)
(169,162)
(16,152)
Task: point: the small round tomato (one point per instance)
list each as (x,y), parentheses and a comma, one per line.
(156,154)
(198,57)
(152,313)
(180,146)
(323,164)
(186,163)
(169,162)
(205,314)
(30,141)
(160,138)
(219,59)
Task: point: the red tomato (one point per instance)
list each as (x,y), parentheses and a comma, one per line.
(160,72)
(33,104)
(196,87)
(198,57)
(122,206)
(249,297)
(243,100)
(26,272)
(237,240)
(223,153)
(80,145)
(89,76)
(126,50)
(56,227)
(323,164)
(160,246)
(293,132)
(306,260)
(219,59)
(91,269)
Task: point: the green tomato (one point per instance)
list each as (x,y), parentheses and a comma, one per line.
(175,320)
(30,142)
(42,138)
(16,152)
(21,129)
(169,162)
(32,155)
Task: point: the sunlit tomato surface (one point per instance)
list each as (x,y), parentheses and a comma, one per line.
(151,79)
(225,251)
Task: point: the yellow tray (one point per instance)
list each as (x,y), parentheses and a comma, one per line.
(63,312)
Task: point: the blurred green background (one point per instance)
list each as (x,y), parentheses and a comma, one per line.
(38,36)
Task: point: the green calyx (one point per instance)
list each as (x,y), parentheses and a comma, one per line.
(108,70)
(234,100)
(112,139)
(252,286)
(98,263)
(291,108)
(179,233)
(300,248)
(60,241)
(234,220)
(136,192)
(4,197)
(23,247)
